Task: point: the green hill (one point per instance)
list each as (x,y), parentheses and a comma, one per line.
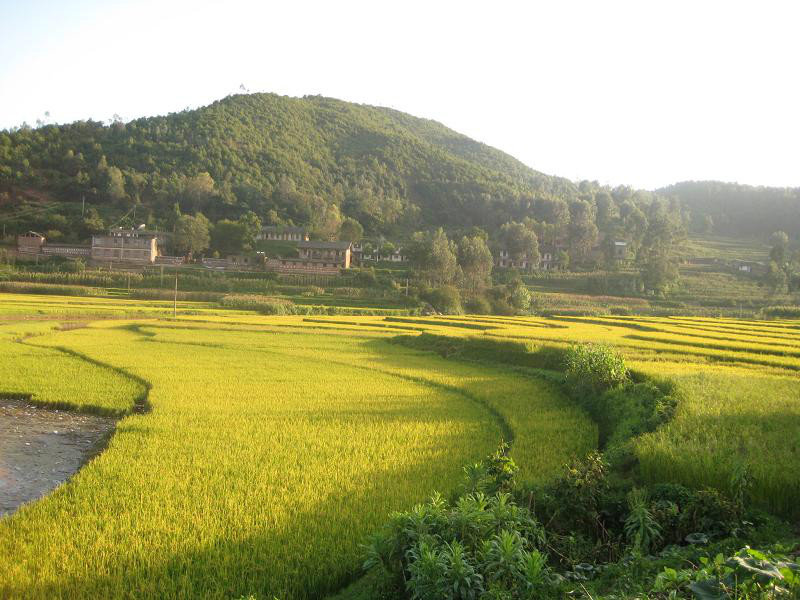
(739,210)
(299,157)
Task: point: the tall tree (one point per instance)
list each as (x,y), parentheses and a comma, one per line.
(434,257)
(350,230)
(192,234)
(520,241)
(476,262)
(251,226)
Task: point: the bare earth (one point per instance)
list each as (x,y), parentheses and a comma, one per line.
(41,448)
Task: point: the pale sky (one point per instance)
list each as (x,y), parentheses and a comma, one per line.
(625,92)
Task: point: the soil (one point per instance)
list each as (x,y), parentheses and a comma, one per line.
(41,448)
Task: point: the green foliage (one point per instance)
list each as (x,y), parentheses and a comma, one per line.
(192,234)
(641,528)
(594,368)
(475,260)
(445,299)
(480,546)
(350,230)
(434,258)
(296,157)
(740,210)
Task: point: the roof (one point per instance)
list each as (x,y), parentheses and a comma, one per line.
(31,234)
(284,229)
(620,243)
(123,232)
(325,245)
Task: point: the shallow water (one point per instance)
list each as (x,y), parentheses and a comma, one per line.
(41,448)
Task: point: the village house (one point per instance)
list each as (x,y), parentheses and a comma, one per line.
(504,260)
(30,243)
(547,259)
(125,245)
(235,261)
(359,254)
(283,233)
(315,257)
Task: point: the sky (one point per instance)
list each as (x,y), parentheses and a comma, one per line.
(640,93)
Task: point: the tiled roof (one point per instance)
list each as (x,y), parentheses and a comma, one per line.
(324,245)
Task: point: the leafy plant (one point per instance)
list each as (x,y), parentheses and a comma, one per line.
(594,368)
(641,529)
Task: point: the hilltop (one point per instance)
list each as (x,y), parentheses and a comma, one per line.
(297,157)
(739,210)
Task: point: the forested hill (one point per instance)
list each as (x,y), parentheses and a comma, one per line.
(741,210)
(302,160)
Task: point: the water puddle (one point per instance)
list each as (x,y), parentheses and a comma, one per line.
(41,448)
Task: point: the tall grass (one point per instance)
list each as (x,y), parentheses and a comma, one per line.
(267,458)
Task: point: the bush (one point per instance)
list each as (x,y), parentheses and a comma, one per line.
(446,300)
(594,368)
(478,305)
(262,304)
(782,312)
(477,547)
(13,287)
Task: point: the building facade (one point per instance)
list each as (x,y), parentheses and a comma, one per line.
(30,243)
(323,258)
(505,260)
(125,245)
(282,233)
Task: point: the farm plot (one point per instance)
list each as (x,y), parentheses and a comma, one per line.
(739,388)
(271,451)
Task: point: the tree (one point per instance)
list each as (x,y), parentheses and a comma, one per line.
(228,237)
(326,220)
(251,225)
(657,260)
(475,260)
(192,234)
(92,223)
(708,224)
(776,278)
(780,245)
(582,229)
(562,259)
(607,212)
(520,241)
(199,189)
(433,257)
(350,230)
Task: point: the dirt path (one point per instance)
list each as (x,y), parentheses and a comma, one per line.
(42,448)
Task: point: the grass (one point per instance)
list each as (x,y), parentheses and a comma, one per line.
(271,451)
(275,444)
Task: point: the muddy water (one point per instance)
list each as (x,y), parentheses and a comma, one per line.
(42,448)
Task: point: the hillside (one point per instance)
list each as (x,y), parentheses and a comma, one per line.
(299,157)
(739,210)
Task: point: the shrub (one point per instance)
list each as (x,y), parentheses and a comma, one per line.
(521,298)
(14,287)
(445,299)
(782,312)
(479,544)
(478,305)
(594,368)
(262,304)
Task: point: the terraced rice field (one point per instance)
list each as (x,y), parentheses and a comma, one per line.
(274,445)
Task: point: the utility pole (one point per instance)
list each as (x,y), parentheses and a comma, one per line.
(83,204)
(175,300)
(162,277)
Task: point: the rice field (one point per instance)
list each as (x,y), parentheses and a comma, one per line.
(274,445)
